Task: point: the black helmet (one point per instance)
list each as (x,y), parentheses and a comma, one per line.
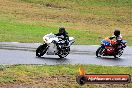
(117,32)
(61,30)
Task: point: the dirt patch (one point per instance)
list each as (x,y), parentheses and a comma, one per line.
(57,82)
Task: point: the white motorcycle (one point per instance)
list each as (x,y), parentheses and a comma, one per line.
(54,45)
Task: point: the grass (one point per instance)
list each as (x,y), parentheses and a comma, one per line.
(83,2)
(88,21)
(57,76)
(16,32)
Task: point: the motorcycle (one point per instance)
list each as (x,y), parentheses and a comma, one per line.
(54,45)
(107,48)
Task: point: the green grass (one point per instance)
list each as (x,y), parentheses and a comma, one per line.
(33,74)
(83,2)
(22,32)
(88,21)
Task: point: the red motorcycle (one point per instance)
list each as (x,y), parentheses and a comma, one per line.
(109,48)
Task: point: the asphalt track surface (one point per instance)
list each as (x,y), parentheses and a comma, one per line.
(13,56)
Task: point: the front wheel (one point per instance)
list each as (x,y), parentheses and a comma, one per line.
(41,50)
(99,52)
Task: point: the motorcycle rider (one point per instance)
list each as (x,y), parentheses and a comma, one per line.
(63,35)
(117,36)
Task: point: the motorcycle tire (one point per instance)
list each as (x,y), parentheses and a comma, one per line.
(115,56)
(41,50)
(99,50)
(120,52)
(63,55)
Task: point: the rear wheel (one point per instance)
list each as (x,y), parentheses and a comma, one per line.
(64,52)
(99,51)
(41,50)
(120,52)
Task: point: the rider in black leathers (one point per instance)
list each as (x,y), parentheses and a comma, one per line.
(63,35)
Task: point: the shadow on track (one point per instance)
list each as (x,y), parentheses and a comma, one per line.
(52,58)
(110,58)
(55,59)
